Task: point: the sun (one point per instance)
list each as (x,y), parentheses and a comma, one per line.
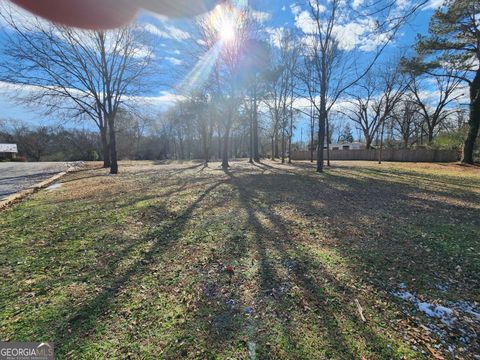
(225,22)
(227,30)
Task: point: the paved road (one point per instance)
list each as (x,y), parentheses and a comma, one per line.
(15,177)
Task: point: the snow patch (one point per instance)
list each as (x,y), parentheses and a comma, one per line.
(461,318)
(440,312)
(404,295)
(444,314)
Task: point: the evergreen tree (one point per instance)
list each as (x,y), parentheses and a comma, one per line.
(346,135)
(453,42)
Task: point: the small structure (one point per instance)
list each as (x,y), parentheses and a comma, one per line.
(348,146)
(8,151)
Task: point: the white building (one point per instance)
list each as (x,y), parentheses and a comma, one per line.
(348,146)
(8,151)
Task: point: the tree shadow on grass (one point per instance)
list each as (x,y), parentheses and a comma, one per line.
(387,233)
(83,320)
(296,305)
(318,304)
(360,219)
(292,314)
(300,300)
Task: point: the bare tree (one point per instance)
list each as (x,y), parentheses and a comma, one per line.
(374,100)
(259,59)
(406,120)
(334,73)
(434,102)
(80,74)
(281,80)
(225,52)
(199,116)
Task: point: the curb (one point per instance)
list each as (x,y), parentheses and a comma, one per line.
(17,197)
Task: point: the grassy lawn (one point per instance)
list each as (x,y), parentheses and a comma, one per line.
(268,261)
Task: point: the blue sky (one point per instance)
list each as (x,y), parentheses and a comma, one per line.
(173,37)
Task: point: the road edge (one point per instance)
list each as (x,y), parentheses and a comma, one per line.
(19,196)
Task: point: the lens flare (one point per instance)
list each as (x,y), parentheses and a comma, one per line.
(202,70)
(227,31)
(222,29)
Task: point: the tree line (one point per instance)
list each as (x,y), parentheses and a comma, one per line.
(245,95)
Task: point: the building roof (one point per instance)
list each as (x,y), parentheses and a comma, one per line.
(348,143)
(8,148)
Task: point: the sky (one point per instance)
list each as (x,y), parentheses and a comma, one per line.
(173,37)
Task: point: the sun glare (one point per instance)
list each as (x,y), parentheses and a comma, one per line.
(224,21)
(223,25)
(227,31)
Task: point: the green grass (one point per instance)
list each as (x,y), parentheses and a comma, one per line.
(135,266)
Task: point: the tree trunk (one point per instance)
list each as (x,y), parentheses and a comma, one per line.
(381,144)
(328,142)
(105,149)
(233,152)
(225,148)
(368,142)
(206,155)
(276,145)
(113,145)
(273,148)
(187,147)
(321,140)
(473,122)
(219,145)
(322,116)
(290,139)
(430,136)
(312,132)
(250,145)
(256,156)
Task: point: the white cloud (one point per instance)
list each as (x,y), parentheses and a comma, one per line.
(295,9)
(169,32)
(304,21)
(162,102)
(32,113)
(357,3)
(177,33)
(275,35)
(174,60)
(351,33)
(434,4)
(403,4)
(359,34)
(152,29)
(261,16)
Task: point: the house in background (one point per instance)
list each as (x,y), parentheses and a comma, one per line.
(8,151)
(348,146)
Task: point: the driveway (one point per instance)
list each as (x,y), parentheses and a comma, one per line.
(15,177)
